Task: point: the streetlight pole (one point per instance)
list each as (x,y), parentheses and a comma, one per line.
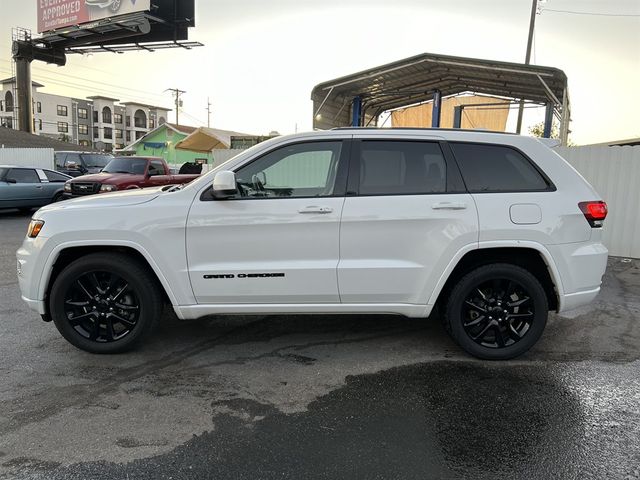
(532,26)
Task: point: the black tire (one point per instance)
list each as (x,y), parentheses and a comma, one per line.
(499,330)
(126,308)
(57,197)
(25,209)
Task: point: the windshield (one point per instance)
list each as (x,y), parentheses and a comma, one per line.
(135,166)
(96,161)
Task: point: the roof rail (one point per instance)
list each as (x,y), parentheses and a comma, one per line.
(478,130)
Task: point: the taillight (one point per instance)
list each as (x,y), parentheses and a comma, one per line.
(594,212)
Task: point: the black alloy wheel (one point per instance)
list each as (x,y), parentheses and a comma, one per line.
(102,307)
(497,311)
(105,302)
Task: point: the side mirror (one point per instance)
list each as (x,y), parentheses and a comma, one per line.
(224,184)
(10,180)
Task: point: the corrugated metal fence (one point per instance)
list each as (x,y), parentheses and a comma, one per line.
(615,173)
(27,157)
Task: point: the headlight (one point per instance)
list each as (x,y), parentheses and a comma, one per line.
(67,187)
(108,188)
(35,227)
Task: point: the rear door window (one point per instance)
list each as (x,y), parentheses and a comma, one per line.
(55,177)
(23,175)
(401,168)
(497,168)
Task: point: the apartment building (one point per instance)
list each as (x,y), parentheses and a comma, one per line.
(101,122)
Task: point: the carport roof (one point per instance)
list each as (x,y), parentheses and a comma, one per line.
(415,80)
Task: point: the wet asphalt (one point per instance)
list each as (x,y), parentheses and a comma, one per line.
(293,397)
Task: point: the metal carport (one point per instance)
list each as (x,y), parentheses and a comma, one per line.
(358,99)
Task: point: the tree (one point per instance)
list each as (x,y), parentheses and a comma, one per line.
(537,130)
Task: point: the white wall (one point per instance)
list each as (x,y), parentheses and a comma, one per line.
(615,174)
(28,157)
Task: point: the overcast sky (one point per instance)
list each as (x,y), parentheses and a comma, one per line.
(262,57)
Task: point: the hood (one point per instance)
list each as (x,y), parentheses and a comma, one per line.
(115,199)
(110,177)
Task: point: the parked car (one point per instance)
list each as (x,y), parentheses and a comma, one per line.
(492,229)
(112,5)
(81,163)
(126,173)
(26,188)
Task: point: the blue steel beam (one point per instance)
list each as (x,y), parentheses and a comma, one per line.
(356,108)
(437,106)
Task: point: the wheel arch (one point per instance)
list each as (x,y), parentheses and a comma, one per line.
(530,256)
(66,254)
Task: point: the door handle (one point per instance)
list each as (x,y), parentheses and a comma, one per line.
(315,209)
(449,206)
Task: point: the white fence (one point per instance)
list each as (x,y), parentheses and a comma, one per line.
(28,157)
(615,173)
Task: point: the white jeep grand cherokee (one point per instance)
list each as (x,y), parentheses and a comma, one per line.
(494,229)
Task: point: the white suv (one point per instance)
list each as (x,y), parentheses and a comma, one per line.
(494,229)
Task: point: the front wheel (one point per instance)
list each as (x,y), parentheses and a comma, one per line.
(105,302)
(497,312)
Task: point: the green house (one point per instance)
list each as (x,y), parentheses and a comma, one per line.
(162,141)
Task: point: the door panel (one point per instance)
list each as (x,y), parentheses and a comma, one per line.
(264,237)
(404,222)
(277,239)
(393,249)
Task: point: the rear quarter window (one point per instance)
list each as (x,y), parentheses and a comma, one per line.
(497,168)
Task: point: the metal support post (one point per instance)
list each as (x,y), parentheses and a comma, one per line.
(436,110)
(356,109)
(25,95)
(457,116)
(548,120)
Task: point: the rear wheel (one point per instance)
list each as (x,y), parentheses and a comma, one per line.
(105,303)
(497,312)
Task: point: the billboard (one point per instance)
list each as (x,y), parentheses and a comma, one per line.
(55,14)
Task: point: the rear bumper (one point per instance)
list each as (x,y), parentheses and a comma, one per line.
(581,267)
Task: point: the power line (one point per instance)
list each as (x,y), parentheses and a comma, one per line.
(595,14)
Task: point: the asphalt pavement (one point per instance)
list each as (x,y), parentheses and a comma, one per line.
(305,397)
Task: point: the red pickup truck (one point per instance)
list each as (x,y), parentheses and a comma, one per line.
(125,173)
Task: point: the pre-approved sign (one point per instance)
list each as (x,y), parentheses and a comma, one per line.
(55,14)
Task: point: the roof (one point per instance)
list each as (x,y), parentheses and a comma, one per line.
(100,97)
(10,138)
(415,79)
(151,107)
(205,139)
(183,129)
(13,80)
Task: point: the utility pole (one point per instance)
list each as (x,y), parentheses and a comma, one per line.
(208,113)
(177,93)
(532,26)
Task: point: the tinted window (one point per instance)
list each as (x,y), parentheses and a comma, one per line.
(72,158)
(156,168)
(96,161)
(23,175)
(136,166)
(304,170)
(55,177)
(401,168)
(494,168)
(60,157)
